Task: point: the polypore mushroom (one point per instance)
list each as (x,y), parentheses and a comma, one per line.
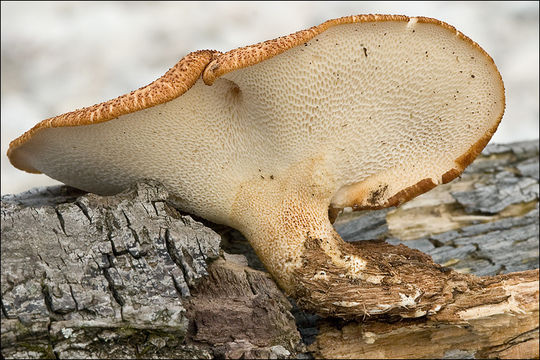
(363,111)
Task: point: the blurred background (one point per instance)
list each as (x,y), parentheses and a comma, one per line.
(59,56)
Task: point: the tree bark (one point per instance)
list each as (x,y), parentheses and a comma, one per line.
(131,276)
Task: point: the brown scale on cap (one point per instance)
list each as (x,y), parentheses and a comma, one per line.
(364,111)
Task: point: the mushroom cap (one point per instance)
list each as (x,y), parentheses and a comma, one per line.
(388,106)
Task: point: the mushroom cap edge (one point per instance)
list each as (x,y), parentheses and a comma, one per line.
(174,83)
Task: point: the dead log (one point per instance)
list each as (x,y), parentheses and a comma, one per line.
(131,276)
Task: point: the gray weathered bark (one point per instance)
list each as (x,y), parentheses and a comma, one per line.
(130,276)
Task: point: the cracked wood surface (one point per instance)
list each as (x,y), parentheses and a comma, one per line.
(128,276)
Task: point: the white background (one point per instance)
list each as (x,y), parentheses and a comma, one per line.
(57,57)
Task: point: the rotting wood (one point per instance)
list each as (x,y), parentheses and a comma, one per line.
(497,318)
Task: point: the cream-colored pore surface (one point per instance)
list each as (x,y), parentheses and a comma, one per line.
(366,98)
(396,97)
(189,144)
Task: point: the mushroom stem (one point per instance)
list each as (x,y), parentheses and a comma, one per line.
(278,215)
(333,278)
(292,234)
(281,245)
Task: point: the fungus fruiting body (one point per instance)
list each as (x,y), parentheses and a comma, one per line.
(364,111)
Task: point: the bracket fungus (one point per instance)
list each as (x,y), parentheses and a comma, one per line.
(363,111)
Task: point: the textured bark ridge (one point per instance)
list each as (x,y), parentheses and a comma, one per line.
(130,276)
(127,276)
